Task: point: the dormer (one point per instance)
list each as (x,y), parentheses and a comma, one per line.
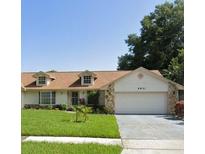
(42,78)
(87,77)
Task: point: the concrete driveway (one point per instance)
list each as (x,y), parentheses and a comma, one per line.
(150,134)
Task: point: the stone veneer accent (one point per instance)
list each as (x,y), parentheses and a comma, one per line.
(109,98)
(172,98)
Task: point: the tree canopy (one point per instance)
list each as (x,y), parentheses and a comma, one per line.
(175,69)
(160,41)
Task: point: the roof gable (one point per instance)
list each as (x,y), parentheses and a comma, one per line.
(154,73)
(140,81)
(87,73)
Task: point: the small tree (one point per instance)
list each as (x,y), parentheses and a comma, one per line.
(77,112)
(85,110)
(82,110)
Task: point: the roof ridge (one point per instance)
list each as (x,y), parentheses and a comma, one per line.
(82,71)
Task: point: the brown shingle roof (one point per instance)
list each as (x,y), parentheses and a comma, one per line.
(71,80)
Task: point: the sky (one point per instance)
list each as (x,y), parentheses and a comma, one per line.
(76,35)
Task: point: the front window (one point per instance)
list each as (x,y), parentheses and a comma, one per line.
(74,98)
(47,97)
(41,80)
(87,79)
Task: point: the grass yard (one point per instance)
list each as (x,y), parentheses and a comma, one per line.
(61,123)
(58,148)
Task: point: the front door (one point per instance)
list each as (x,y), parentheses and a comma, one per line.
(74,98)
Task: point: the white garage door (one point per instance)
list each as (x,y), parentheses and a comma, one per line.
(141,103)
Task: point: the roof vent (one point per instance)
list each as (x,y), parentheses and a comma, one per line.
(140,76)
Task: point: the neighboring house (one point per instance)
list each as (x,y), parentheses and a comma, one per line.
(140,91)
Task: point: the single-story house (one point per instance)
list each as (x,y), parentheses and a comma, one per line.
(140,91)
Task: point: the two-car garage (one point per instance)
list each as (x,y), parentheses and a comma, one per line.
(141,103)
(141,92)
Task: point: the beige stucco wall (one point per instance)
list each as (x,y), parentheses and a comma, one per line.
(22,99)
(30,97)
(69,95)
(132,82)
(61,97)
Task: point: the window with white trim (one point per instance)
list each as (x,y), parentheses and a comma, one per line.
(41,80)
(87,79)
(47,97)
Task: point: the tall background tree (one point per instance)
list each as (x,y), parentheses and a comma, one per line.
(160,43)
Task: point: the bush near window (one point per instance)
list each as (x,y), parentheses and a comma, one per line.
(93,100)
(48,107)
(100,109)
(82,101)
(96,109)
(37,106)
(70,108)
(60,106)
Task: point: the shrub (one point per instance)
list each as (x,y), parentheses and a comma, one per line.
(70,109)
(63,106)
(100,109)
(179,109)
(46,107)
(49,107)
(31,106)
(26,106)
(60,106)
(82,101)
(93,100)
(43,107)
(56,106)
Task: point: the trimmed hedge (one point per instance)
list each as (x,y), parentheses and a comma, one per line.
(98,109)
(48,107)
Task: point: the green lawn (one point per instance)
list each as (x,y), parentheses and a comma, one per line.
(61,123)
(57,148)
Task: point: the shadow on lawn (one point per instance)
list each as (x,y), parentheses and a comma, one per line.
(73,121)
(67,120)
